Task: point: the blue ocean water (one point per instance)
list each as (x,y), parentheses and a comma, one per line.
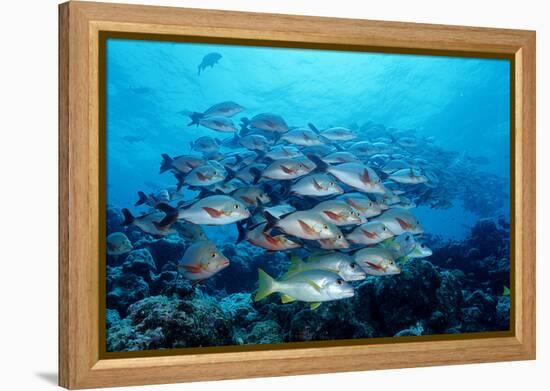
(457,109)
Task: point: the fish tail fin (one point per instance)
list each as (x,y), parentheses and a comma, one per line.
(195,118)
(296,265)
(191,145)
(199,70)
(257,175)
(266,285)
(242,233)
(271,221)
(181,178)
(230,174)
(171,215)
(321,165)
(166,163)
(128,217)
(312,127)
(245,121)
(142,199)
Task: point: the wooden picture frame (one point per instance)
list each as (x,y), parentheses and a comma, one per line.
(81,364)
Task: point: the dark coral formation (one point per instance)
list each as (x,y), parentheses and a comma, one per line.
(459,289)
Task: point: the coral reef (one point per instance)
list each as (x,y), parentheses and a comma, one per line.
(459,289)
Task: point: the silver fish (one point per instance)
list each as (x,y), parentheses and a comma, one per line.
(201,261)
(316,185)
(117,244)
(370,233)
(335,262)
(376,261)
(267,122)
(219,124)
(311,286)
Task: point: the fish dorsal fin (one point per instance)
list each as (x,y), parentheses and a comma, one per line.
(287,299)
(315,305)
(314,285)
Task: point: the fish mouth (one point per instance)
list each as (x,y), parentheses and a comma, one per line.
(224,263)
(347,293)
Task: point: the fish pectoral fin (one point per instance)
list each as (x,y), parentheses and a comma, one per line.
(287,299)
(212,212)
(248,200)
(317,185)
(332,215)
(193,268)
(365,177)
(315,305)
(314,285)
(286,169)
(374,265)
(306,227)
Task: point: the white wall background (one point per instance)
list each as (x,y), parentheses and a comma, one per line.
(28,196)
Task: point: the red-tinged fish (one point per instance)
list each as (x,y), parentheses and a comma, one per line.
(370,233)
(338,213)
(183,163)
(117,244)
(364,205)
(265,239)
(219,124)
(222,109)
(209,174)
(376,261)
(213,210)
(304,225)
(267,122)
(340,157)
(356,175)
(337,243)
(408,176)
(283,152)
(303,137)
(316,185)
(336,133)
(201,261)
(251,195)
(287,169)
(400,221)
(148,223)
(254,142)
(205,144)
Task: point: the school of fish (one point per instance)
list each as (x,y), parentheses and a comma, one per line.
(342,196)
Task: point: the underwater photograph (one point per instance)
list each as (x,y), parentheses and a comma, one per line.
(266,195)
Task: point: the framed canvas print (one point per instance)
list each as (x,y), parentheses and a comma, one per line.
(247,195)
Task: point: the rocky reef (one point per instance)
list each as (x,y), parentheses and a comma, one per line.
(459,289)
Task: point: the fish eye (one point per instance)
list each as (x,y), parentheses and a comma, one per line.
(325,226)
(391,262)
(339,281)
(237,206)
(352,265)
(339,237)
(213,255)
(331,183)
(384,229)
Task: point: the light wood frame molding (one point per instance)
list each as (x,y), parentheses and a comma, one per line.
(80,364)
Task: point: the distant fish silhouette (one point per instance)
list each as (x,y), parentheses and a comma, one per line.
(133,139)
(209,60)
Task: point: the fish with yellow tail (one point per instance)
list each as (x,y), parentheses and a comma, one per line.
(310,286)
